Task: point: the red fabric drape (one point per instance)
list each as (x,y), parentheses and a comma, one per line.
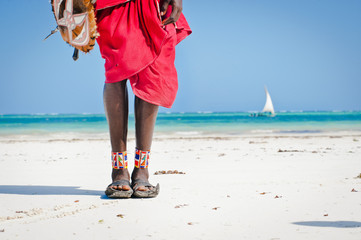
(136,46)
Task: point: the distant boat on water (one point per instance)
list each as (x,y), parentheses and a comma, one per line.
(268,109)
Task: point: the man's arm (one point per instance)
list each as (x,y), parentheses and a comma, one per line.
(177,7)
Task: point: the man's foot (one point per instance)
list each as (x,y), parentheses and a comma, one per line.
(141,186)
(140,174)
(120,187)
(117,175)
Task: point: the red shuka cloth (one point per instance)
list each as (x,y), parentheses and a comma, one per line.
(136,46)
(101,4)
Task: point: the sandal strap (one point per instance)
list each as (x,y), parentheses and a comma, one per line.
(120,183)
(142,183)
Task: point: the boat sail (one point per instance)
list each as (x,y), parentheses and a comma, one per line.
(268,107)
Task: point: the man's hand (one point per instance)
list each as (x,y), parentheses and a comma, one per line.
(177,7)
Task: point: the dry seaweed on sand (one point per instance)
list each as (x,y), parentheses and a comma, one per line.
(162,172)
(181,205)
(280,150)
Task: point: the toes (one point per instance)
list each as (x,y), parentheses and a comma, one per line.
(144,189)
(121,187)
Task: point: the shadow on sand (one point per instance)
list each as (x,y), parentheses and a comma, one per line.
(334,224)
(46,190)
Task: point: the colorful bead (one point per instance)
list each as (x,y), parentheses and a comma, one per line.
(141,158)
(119,160)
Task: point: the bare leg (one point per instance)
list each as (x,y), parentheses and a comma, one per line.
(116,109)
(145,117)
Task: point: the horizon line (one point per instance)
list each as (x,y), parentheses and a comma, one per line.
(182,112)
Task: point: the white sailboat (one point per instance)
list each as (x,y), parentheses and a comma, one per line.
(268,109)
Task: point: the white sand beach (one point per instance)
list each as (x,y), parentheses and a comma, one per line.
(290,186)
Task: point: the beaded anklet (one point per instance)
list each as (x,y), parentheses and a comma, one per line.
(141,158)
(119,160)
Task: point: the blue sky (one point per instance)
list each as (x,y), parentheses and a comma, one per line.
(307,52)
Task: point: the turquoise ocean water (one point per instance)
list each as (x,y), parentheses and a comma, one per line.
(228,123)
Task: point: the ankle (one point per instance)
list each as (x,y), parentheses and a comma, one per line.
(120,174)
(140,173)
